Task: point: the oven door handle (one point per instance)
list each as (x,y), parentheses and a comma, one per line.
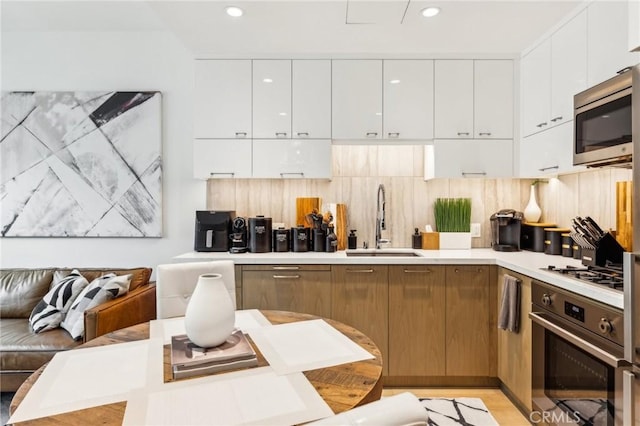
(591,349)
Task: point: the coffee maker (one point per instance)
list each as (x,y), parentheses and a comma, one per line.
(212,230)
(239,236)
(505,230)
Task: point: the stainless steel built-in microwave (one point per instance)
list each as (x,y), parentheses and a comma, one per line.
(602,120)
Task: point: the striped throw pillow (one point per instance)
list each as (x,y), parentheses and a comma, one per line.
(102,289)
(50,311)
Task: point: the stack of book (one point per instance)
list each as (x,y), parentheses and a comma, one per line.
(189,359)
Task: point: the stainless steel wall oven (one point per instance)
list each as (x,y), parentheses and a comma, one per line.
(578,359)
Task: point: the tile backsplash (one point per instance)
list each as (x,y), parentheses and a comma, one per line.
(359,169)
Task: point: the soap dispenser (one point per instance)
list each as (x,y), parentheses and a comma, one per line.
(417,239)
(352,240)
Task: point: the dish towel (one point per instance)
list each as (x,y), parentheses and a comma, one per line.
(509,318)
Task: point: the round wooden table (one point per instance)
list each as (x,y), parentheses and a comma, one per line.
(342,386)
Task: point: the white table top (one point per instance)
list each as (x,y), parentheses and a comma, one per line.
(524,262)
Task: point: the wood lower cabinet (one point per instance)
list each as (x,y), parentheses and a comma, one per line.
(416,320)
(469,318)
(296,288)
(360,295)
(514,349)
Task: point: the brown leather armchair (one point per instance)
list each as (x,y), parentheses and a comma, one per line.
(22,351)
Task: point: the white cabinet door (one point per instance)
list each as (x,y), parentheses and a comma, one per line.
(548,153)
(493,99)
(454,99)
(608,40)
(536,88)
(294,158)
(271,99)
(408,99)
(568,67)
(634,25)
(221,158)
(473,158)
(357,99)
(311,99)
(222,99)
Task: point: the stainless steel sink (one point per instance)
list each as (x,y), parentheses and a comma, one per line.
(382,253)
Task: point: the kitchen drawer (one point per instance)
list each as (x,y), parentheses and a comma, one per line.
(286,268)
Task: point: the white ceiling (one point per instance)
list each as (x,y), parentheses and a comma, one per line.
(300,28)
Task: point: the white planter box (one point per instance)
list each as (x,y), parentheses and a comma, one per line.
(455,240)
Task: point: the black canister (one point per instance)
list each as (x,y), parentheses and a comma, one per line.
(553,240)
(331,242)
(300,238)
(280,240)
(352,240)
(567,245)
(577,251)
(319,241)
(259,234)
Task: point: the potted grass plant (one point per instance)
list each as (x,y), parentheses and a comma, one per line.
(453,222)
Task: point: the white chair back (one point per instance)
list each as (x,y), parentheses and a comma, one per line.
(175,283)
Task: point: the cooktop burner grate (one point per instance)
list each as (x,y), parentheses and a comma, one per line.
(609,275)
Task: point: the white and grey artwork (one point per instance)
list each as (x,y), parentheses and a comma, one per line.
(80,164)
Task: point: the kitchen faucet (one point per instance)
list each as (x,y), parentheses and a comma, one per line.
(380,214)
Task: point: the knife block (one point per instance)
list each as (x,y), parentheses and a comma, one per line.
(608,249)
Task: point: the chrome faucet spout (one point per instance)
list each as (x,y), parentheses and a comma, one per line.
(380,216)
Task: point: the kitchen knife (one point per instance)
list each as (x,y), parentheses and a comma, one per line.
(583,232)
(593,232)
(595,225)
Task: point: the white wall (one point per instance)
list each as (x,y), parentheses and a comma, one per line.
(113,61)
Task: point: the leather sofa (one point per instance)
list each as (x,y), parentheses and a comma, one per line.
(22,351)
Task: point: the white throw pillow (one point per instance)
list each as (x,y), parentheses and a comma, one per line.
(50,311)
(102,289)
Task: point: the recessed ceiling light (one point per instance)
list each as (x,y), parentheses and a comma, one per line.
(394,81)
(283,114)
(429,12)
(234,11)
(267,80)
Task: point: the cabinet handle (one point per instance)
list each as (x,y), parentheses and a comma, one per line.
(558,118)
(418,271)
(463,133)
(241,134)
(484,134)
(372,134)
(281,134)
(458,271)
(623,70)
(286,268)
(286,277)
(360,271)
(549,168)
(303,134)
(541,124)
(465,174)
(393,134)
(232,174)
(283,174)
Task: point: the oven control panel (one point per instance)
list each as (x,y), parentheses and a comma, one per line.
(574,311)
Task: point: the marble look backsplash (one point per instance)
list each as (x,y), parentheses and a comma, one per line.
(359,169)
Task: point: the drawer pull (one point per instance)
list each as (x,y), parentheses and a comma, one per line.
(463,133)
(241,134)
(394,134)
(283,174)
(232,174)
(372,134)
(558,118)
(303,134)
(541,124)
(457,271)
(465,174)
(418,271)
(549,168)
(360,271)
(281,134)
(484,134)
(286,277)
(286,268)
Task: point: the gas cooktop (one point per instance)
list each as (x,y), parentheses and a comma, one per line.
(609,275)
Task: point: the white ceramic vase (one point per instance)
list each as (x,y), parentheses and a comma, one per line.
(532,212)
(210,315)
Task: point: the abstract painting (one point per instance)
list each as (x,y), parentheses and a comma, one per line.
(80,164)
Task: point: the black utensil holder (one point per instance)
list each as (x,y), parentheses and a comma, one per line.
(608,249)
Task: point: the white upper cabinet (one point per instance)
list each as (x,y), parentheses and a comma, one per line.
(271,99)
(634,25)
(408,99)
(357,99)
(568,67)
(294,158)
(311,101)
(608,40)
(471,158)
(221,158)
(548,153)
(536,88)
(454,99)
(493,99)
(473,99)
(222,99)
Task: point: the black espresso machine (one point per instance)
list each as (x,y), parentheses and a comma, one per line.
(505,230)
(213,228)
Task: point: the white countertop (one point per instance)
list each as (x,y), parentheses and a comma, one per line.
(524,262)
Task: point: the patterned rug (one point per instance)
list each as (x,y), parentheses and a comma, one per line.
(458,411)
